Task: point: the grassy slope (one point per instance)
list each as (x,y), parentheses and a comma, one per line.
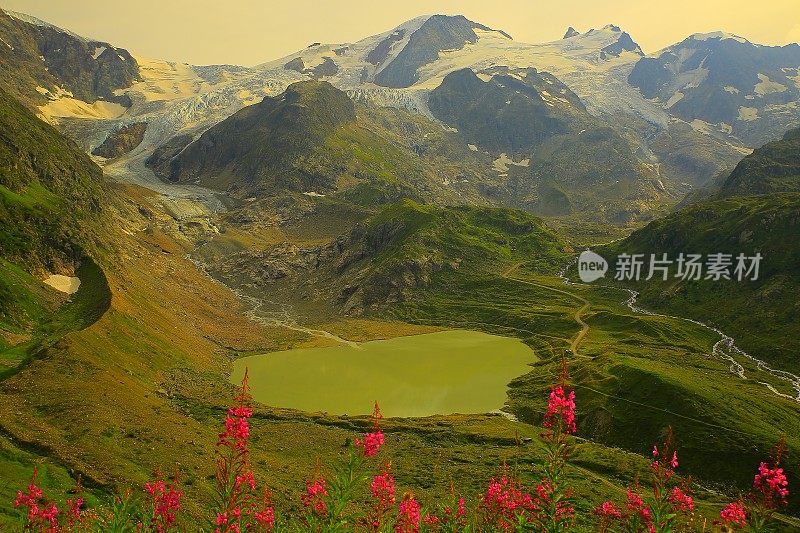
(634,374)
(766,224)
(775,167)
(473,234)
(47,325)
(95,401)
(49,191)
(146,388)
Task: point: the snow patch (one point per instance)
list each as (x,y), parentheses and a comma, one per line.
(767,86)
(162,80)
(731,89)
(674,99)
(472,147)
(65,284)
(6,43)
(748,114)
(314,194)
(717,35)
(73,108)
(701,126)
(502,163)
(98,51)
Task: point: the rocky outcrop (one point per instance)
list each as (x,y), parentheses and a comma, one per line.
(121,141)
(328,67)
(160,161)
(296,64)
(378,55)
(624,44)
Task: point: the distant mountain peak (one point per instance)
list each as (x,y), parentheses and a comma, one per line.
(571,32)
(461,19)
(28,19)
(437,34)
(719,35)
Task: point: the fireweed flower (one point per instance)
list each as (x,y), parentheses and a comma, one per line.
(504,501)
(164,502)
(772,484)
(561,405)
(681,501)
(734,515)
(609,510)
(314,498)
(432,520)
(382,487)
(408,512)
(372,441)
(635,505)
(42,515)
(265,517)
(237,506)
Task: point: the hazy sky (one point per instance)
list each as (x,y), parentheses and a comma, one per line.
(249,32)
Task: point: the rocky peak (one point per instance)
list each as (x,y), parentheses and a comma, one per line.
(437,33)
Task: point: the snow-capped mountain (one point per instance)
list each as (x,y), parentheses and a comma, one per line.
(726,82)
(62,72)
(604,68)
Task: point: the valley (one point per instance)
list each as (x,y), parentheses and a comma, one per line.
(395,219)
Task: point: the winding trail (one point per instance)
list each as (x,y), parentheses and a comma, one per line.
(287,322)
(725,348)
(578,316)
(281,318)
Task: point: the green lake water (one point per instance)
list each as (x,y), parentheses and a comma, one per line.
(437,373)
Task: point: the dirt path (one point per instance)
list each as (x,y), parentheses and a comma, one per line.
(281,318)
(578,316)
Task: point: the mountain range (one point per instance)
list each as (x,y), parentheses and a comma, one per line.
(669,146)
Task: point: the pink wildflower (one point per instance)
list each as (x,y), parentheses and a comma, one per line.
(314,498)
(734,515)
(265,517)
(635,505)
(561,405)
(408,515)
(609,510)
(383,488)
(372,441)
(504,501)
(680,500)
(772,483)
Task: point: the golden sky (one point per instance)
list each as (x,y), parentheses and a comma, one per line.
(249,32)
